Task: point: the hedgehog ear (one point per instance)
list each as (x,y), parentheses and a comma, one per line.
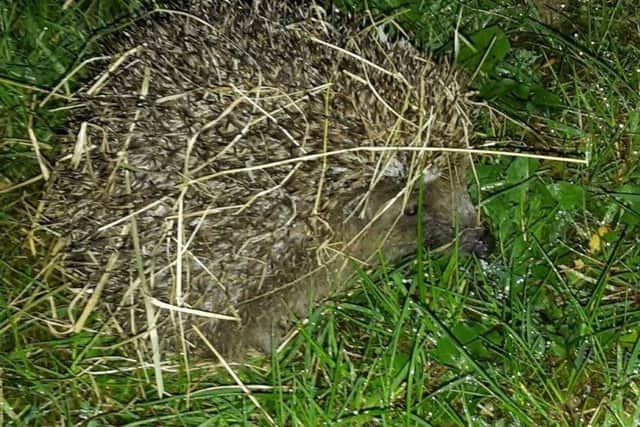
(430,174)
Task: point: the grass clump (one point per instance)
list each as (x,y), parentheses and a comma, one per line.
(546,332)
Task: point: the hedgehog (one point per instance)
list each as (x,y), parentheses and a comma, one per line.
(236,163)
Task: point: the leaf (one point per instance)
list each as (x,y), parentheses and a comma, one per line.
(630,196)
(569,196)
(489,45)
(563,128)
(595,243)
(494,89)
(521,168)
(468,334)
(559,349)
(541,97)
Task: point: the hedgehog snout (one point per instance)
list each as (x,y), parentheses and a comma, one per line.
(484,243)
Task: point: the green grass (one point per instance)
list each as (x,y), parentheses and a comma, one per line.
(546,332)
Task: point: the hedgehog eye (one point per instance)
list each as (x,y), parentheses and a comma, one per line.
(411,210)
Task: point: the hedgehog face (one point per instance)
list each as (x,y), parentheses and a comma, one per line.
(449,214)
(448,218)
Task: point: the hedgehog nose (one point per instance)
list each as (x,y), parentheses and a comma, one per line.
(484,245)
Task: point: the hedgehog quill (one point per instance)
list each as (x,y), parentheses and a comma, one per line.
(231,162)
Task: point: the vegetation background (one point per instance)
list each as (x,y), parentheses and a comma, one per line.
(545,332)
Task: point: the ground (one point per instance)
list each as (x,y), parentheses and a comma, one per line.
(546,331)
